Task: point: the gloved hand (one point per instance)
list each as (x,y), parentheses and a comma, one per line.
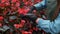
(31,17)
(31,9)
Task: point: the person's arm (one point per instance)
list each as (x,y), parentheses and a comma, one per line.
(40,5)
(47,26)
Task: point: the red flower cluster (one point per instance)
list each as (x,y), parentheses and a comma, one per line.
(14,5)
(19,6)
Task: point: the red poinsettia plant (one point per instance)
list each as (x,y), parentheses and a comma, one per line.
(20,6)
